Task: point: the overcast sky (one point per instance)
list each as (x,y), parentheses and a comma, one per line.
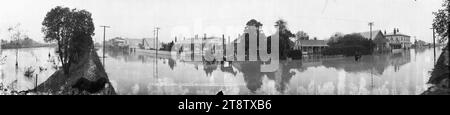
(318,18)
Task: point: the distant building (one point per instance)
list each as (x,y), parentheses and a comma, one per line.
(398,40)
(310,46)
(149,43)
(378,38)
(117,42)
(200,44)
(133,44)
(420,43)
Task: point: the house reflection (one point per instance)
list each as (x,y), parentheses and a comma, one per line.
(375,64)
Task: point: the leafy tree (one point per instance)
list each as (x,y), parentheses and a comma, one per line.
(255,23)
(72,30)
(334,38)
(282,28)
(301,35)
(349,45)
(16,34)
(284,34)
(441,21)
(258,26)
(440,73)
(167,46)
(27,42)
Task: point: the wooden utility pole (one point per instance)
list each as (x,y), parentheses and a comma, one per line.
(156,41)
(371,75)
(434,47)
(156,49)
(104,34)
(370,32)
(370,24)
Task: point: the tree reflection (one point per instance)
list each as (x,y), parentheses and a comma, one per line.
(172,63)
(251,73)
(253,76)
(209,68)
(376,64)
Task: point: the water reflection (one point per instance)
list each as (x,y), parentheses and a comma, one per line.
(12,76)
(388,73)
(374,64)
(404,72)
(253,75)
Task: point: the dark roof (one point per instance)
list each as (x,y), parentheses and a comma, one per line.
(367,34)
(313,42)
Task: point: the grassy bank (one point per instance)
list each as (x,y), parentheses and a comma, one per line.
(439,79)
(85,78)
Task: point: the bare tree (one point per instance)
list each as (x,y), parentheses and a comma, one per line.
(16,33)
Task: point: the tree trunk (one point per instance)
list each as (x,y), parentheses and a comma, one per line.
(61,56)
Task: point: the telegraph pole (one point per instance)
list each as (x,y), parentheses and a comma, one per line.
(156,42)
(434,46)
(156,49)
(371,75)
(371,24)
(104,31)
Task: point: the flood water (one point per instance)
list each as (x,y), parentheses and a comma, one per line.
(13,77)
(401,73)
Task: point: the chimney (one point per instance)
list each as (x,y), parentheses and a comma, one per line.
(384,32)
(395,31)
